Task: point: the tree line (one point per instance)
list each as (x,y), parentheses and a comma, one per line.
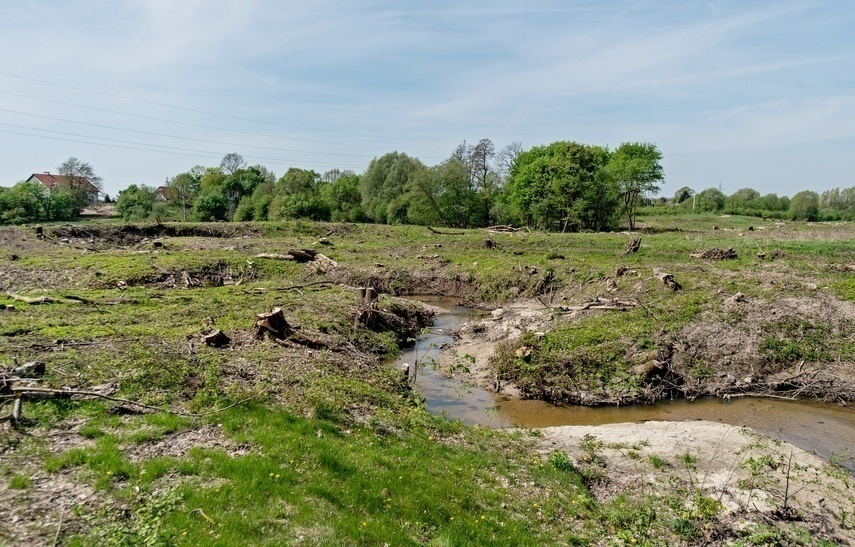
(34,202)
(834,204)
(562,186)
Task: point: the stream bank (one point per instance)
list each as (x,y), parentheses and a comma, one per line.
(454,376)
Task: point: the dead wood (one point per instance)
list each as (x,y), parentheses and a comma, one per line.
(274,256)
(282,289)
(324,264)
(216,339)
(666,279)
(24,392)
(716,254)
(299,255)
(602,304)
(42,299)
(502,229)
(272,324)
(445,233)
(633,245)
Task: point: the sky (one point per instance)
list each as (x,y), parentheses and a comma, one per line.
(735,93)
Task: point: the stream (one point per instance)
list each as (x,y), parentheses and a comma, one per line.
(823,428)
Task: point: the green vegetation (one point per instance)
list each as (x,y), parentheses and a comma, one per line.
(325,444)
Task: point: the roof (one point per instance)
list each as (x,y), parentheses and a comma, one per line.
(54,182)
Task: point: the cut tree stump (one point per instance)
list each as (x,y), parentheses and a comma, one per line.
(666,279)
(217,339)
(272,324)
(633,245)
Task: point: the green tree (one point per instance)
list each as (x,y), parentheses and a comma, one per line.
(135,202)
(341,195)
(683,194)
(210,205)
(182,189)
(711,199)
(636,170)
(565,183)
(25,202)
(383,186)
(805,205)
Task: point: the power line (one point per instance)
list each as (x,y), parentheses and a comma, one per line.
(172,151)
(55,84)
(170,136)
(153,118)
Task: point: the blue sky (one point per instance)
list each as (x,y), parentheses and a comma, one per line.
(737,93)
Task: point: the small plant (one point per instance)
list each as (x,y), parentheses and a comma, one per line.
(657,462)
(690,461)
(20,482)
(561,461)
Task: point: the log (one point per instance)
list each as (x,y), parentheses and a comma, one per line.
(445,233)
(42,299)
(666,279)
(272,324)
(30,369)
(274,256)
(216,339)
(324,264)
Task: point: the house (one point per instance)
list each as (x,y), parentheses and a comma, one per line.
(161,194)
(62,182)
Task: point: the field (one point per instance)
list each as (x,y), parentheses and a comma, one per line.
(304,435)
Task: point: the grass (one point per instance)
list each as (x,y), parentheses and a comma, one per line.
(334,448)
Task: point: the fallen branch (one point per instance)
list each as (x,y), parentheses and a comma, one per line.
(23,391)
(42,299)
(282,289)
(445,233)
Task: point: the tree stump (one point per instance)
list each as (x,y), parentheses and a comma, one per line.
(217,339)
(666,279)
(272,324)
(633,245)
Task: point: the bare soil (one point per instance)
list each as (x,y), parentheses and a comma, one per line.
(724,463)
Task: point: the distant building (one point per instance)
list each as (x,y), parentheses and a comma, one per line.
(162,193)
(61,182)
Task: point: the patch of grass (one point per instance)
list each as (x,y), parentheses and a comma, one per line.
(657,462)
(20,482)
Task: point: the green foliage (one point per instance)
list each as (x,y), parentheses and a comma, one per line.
(210,205)
(32,202)
(563,185)
(635,168)
(136,202)
(805,205)
(20,482)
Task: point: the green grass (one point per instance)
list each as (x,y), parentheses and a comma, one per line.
(334,449)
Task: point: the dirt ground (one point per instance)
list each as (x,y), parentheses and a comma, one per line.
(732,348)
(752,476)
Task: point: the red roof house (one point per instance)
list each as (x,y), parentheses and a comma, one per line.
(62,182)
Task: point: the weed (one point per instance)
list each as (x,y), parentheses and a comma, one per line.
(657,462)
(20,482)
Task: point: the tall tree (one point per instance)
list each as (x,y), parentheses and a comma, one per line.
(182,189)
(79,175)
(635,167)
(232,163)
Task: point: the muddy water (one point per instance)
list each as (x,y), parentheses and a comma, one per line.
(826,429)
